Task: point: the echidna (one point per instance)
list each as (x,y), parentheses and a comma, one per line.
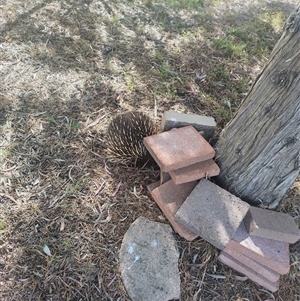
(125,135)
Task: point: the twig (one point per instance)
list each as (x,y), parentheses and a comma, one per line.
(117,189)
(100,187)
(9,197)
(8,169)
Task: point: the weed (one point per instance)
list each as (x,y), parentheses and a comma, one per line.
(158,55)
(176,54)
(229,48)
(169,89)
(184,4)
(228,103)
(165,71)
(83,48)
(250,39)
(52,119)
(73,188)
(74,125)
(129,85)
(5,153)
(219,74)
(2,225)
(67,244)
(275,19)
(223,114)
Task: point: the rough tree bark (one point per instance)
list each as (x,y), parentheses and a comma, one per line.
(259,150)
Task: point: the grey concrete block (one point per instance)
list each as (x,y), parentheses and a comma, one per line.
(203,124)
(272,225)
(213,213)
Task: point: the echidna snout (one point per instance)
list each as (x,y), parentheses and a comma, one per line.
(125,136)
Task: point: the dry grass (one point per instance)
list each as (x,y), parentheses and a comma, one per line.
(67,67)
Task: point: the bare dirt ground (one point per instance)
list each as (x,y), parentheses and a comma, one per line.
(68,67)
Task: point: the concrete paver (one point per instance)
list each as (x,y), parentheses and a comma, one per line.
(271,253)
(272,225)
(213,213)
(203,124)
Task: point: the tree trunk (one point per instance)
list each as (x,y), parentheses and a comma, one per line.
(259,150)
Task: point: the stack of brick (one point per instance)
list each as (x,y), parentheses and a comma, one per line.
(253,241)
(260,247)
(183,156)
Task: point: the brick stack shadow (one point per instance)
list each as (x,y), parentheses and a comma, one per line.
(253,241)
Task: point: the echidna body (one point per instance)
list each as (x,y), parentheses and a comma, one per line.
(125,135)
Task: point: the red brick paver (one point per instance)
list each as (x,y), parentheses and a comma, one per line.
(261,269)
(164,177)
(196,171)
(271,253)
(251,274)
(178,148)
(169,197)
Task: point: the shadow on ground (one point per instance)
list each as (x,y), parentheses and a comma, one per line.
(69,67)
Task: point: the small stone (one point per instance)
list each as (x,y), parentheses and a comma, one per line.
(149,262)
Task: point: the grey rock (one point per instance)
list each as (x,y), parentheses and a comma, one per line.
(149,262)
